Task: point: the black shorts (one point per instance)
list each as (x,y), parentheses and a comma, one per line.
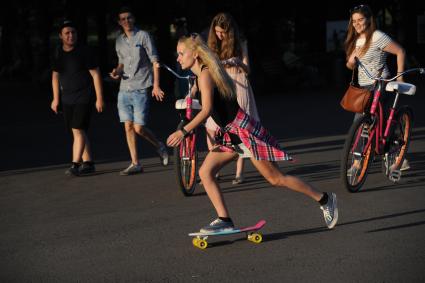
(77,116)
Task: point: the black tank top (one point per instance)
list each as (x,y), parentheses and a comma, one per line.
(224,109)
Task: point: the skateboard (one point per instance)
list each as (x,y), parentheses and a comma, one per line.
(200,238)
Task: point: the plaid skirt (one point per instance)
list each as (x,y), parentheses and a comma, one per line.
(261,144)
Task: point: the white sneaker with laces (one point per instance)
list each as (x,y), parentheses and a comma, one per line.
(163,154)
(405,166)
(330,211)
(132,169)
(218,225)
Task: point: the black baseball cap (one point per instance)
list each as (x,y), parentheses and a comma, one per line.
(66,23)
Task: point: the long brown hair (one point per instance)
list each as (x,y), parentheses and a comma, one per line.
(206,57)
(352,36)
(230,46)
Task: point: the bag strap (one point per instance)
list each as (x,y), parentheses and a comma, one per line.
(355,77)
(379,75)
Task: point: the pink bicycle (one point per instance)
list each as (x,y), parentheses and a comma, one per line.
(186,154)
(369,135)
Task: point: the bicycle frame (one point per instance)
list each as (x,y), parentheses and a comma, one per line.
(376,111)
(374,134)
(186,154)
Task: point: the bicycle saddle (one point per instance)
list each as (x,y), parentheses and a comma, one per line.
(404,88)
(181,104)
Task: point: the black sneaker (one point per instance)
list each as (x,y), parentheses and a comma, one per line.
(73,170)
(218,225)
(87,167)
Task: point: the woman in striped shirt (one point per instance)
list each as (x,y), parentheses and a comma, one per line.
(371,46)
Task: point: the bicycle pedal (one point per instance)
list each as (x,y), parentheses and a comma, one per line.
(395,175)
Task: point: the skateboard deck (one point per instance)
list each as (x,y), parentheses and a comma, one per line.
(200,238)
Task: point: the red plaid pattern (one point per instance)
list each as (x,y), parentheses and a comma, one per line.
(253,135)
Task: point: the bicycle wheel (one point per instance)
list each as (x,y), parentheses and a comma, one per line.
(357,154)
(399,142)
(186,163)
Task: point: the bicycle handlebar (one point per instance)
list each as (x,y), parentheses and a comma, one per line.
(360,64)
(188,77)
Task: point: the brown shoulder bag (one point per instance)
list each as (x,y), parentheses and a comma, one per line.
(355,98)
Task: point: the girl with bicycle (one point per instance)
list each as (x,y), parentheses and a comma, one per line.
(238,135)
(371,46)
(225,40)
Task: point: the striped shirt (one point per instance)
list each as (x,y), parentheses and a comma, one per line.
(375,57)
(137,54)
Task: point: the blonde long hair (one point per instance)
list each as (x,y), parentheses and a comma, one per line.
(206,57)
(350,41)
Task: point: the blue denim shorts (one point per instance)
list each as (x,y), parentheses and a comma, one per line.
(134,106)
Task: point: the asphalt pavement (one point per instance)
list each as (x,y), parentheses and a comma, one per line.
(110,228)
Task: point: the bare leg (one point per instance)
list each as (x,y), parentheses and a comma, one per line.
(147,134)
(276,178)
(211,143)
(79,145)
(213,162)
(210,138)
(239,167)
(87,149)
(131,142)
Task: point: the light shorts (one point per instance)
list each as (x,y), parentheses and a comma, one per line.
(134,106)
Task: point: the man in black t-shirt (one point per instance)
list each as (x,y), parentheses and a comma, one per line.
(76,82)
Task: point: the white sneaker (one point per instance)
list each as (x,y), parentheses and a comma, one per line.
(330,211)
(163,154)
(132,169)
(405,166)
(238,180)
(218,225)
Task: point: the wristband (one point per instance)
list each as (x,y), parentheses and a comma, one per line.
(185,133)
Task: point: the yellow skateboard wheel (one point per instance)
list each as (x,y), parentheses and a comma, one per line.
(200,243)
(255,238)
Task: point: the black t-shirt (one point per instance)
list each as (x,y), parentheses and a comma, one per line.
(75,80)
